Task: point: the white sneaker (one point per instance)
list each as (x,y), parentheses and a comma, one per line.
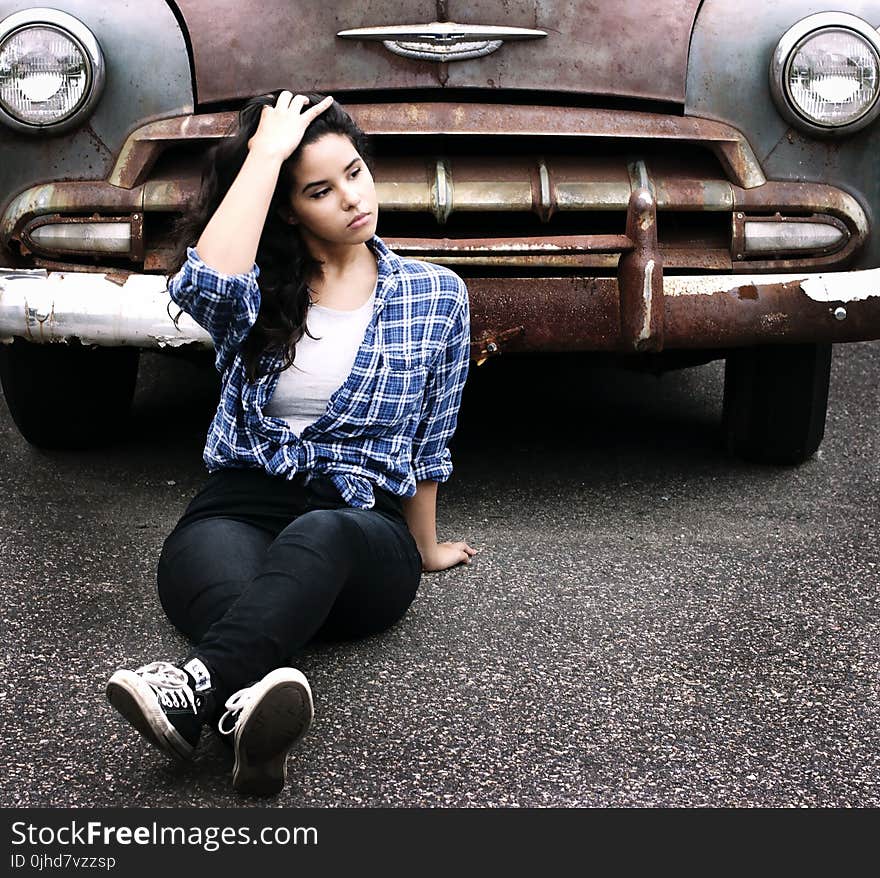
(267,719)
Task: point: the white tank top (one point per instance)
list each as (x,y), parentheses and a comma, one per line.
(321,365)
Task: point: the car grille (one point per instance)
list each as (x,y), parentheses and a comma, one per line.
(543,190)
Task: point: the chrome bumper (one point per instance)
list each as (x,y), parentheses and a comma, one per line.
(698,310)
(43,306)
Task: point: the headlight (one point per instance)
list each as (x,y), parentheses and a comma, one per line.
(825,73)
(51,70)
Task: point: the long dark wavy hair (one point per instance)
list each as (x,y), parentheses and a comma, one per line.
(284,260)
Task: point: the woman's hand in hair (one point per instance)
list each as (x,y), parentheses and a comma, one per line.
(282,127)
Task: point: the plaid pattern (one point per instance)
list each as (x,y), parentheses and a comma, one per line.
(390,421)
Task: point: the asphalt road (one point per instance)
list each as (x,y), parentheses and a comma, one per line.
(647,622)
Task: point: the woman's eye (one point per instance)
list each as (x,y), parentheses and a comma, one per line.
(321,193)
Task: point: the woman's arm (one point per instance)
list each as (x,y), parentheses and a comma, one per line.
(229,242)
(420,512)
(432,461)
(226,305)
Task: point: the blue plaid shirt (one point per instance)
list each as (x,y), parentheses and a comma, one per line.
(389,422)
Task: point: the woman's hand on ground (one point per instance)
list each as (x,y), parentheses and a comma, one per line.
(282,127)
(445,555)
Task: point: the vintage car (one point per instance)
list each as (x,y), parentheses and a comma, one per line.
(665,182)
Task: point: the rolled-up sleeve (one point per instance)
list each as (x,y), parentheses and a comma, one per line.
(431,458)
(226,305)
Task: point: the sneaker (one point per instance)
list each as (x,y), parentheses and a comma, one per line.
(160,702)
(266,720)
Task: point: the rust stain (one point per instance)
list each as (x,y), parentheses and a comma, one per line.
(118,277)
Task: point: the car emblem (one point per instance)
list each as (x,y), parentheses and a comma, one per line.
(442,40)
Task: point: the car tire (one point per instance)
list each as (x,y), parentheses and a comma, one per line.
(68,395)
(775,400)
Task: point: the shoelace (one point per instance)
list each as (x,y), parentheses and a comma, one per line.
(170,684)
(234,706)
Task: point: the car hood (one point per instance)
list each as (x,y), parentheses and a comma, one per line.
(630,48)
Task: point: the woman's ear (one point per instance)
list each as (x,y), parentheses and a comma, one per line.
(287,216)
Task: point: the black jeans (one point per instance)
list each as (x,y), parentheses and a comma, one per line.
(258,565)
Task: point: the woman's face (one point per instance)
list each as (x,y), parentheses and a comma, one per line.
(333,198)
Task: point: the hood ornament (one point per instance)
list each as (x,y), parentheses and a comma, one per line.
(442,40)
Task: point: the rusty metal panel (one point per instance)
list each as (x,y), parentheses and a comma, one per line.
(631,48)
(778,312)
(279,44)
(579,314)
(558,314)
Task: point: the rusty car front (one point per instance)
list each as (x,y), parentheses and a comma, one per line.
(659,182)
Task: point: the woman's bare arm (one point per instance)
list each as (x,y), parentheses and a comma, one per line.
(420,512)
(229,242)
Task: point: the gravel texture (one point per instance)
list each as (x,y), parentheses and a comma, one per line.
(647,623)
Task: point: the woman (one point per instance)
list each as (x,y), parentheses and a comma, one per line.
(342,370)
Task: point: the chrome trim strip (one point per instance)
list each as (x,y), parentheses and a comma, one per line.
(638,175)
(442,41)
(427,52)
(443,193)
(546,193)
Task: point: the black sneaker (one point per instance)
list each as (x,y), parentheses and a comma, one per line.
(160,701)
(267,719)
